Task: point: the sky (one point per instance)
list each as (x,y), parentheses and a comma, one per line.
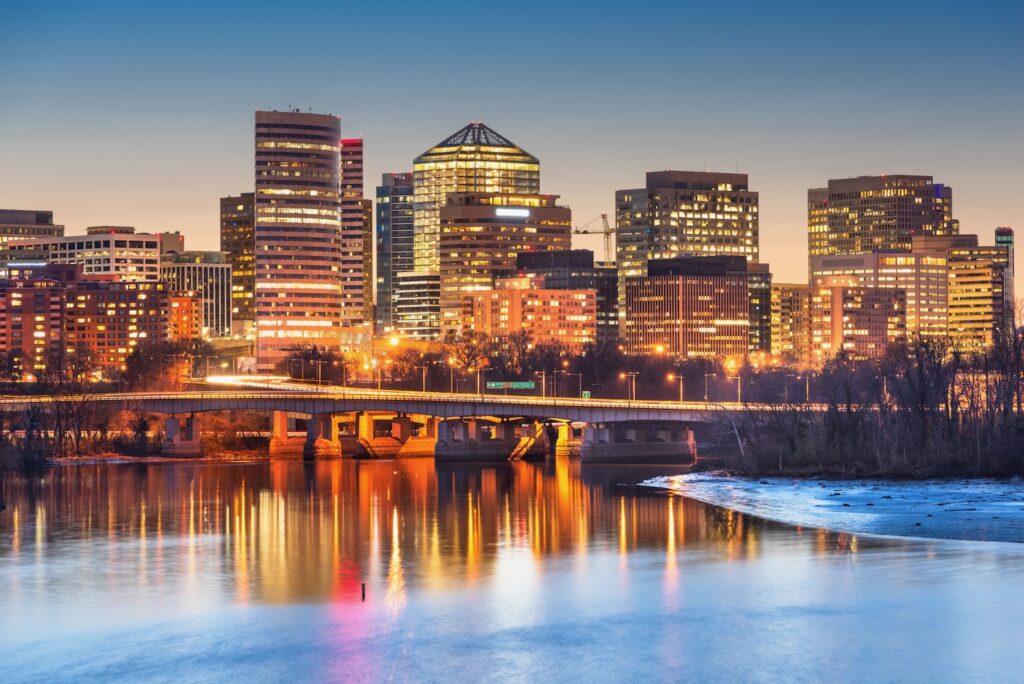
(129,113)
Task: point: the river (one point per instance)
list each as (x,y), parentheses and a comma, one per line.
(207,571)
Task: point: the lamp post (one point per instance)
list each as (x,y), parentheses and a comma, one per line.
(319,370)
(451,369)
(674,376)
(543,382)
(739,387)
(423,378)
(706,376)
(479,374)
(631,375)
(579,376)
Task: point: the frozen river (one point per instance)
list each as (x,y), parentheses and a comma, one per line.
(181,572)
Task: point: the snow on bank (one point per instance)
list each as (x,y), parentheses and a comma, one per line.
(976,510)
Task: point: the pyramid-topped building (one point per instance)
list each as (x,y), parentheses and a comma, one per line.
(475,158)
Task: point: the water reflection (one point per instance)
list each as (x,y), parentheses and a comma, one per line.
(285,532)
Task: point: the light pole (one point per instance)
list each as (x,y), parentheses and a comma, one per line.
(423,376)
(319,370)
(543,382)
(451,369)
(673,376)
(632,383)
(785,386)
(479,374)
(579,376)
(739,387)
(706,376)
(807,387)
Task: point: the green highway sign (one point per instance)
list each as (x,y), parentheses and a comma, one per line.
(586,394)
(517,384)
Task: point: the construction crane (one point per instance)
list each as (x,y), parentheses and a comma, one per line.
(606,231)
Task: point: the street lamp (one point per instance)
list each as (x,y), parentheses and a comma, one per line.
(706,376)
(579,376)
(423,370)
(543,382)
(479,374)
(785,386)
(451,368)
(739,387)
(319,370)
(673,376)
(632,383)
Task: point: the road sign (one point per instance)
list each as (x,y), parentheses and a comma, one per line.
(516,384)
(586,394)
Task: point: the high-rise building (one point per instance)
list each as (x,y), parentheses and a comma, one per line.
(759,294)
(208,275)
(527,306)
(576,269)
(922,277)
(299,299)
(980,308)
(1004,239)
(876,213)
(415,310)
(481,234)
(473,159)
(238,242)
(356,236)
(105,252)
(791,322)
(184,316)
(689,307)
(684,213)
(16,224)
(858,322)
(394,240)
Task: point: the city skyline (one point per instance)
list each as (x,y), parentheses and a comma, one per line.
(126,129)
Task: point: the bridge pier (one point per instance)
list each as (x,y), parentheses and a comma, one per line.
(182,438)
(321,437)
(283,445)
(637,442)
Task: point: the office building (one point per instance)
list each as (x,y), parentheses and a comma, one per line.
(298,234)
(394,240)
(527,306)
(238,242)
(481,235)
(857,322)
(689,307)
(922,277)
(105,252)
(356,237)
(876,213)
(208,275)
(184,316)
(684,213)
(416,297)
(759,294)
(17,224)
(979,289)
(576,269)
(791,322)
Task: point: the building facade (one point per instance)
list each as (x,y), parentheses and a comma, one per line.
(31,325)
(791,322)
(684,213)
(858,322)
(922,277)
(576,269)
(184,316)
(759,294)
(394,241)
(208,275)
(876,213)
(481,235)
(416,313)
(689,307)
(299,300)
(526,306)
(356,237)
(18,224)
(238,242)
(105,252)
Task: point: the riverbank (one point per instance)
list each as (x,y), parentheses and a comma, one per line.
(981,509)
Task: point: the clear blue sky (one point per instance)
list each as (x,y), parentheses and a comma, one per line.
(140,113)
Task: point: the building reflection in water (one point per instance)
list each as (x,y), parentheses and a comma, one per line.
(287,531)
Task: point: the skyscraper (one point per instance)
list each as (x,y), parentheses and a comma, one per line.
(208,275)
(873,213)
(473,159)
(238,242)
(298,233)
(684,213)
(356,245)
(481,235)
(394,240)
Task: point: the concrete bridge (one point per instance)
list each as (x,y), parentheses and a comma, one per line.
(451,426)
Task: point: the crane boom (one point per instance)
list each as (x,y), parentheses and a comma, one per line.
(606,232)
